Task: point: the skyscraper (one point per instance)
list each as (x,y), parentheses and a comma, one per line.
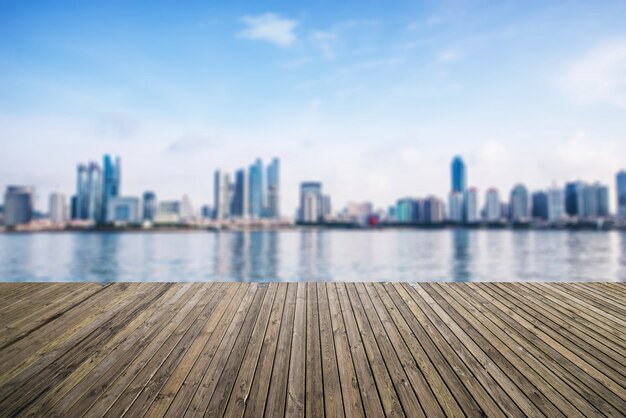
(433,210)
(493,209)
(540,205)
(459,176)
(519,203)
(455,207)
(241,196)
(404,210)
(149,206)
(221,190)
(621,194)
(111,181)
(94,193)
(273,189)
(555,204)
(257,195)
(311,201)
(57,207)
(574,198)
(470,211)
(18,205)
(82,193)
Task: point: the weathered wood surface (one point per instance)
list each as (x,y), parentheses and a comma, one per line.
(313,349)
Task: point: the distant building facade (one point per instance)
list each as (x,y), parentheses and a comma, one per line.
(149,206)
(455,207)
(470,212)
(123,209)
(519,203)
(221,190)
(493,210)
(57,207)
(459,175)
(18,205)
(540,205)
(620,181)
(273,189)
(311,201)
(111,181)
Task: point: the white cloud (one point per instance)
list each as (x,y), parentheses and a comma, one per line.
(271,28)
(599,75)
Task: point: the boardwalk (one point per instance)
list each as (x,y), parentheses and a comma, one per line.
(312,349)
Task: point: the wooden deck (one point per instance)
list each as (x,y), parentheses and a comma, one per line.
(312,349)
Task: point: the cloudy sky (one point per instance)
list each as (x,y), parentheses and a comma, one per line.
(373,98)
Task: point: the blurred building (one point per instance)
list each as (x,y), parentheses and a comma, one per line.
(459,176)
(493,210)
(241,196)
(455,207)
(359,212)
(221,191)
(149,206)
(311,202)
(57,207)
(595,201)
(519,203)
(556,204)
(540,205)
(620,181)
(574,198)
(123,209)
(433,210)
(111,181)
(168,212)
(257,195)
(470,211)
(18,205)
(186,209)
(273,189)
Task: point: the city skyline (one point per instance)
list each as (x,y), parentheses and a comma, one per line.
(371,103)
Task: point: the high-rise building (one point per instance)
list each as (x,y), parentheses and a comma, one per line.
(111,181)
(556,202)
(149,206)
(168,212)
(519,203)
(122,209)
(18,205)
(186,208)
(241,196)
(221,190)
(57,207)
(273,189)
(620,181)
(574,198)
(327,207)
(471,205)
(455,207)
(81,208)
(404,210)
(309,191)
(433,210)
(540,205)
(257,195)
(94,193)
(459,176)
(595,201)
(493,210)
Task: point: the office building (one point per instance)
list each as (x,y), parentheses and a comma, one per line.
(493,209)
(556,204)
(257,192)
(18,205)
(620,181)
(57,207)
(81,207)
(455,207)
(459,175)
(433,210)
(94,193)
(519,203)
(574,198)
(122,209)
(273,189)
(241,196)
(326,206)
(186,209)
(309,191)
(540,205)
(111,181)
(168,212)
(149,206)
(470,212)
(359,212)
(404,210)
(221,190)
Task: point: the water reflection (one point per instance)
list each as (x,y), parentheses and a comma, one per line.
(381,255)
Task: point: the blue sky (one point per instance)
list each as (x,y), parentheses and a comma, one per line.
(373,98)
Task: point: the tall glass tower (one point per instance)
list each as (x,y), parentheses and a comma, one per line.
(111,181)
(257,197)
(459,175)
(273,189)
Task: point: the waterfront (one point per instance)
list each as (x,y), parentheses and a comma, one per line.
(306,255)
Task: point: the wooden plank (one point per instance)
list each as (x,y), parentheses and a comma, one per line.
(297,383)
(245,363)
(387,387)
(350,393)
(252,401)
(314,400)
(277,397)
(333,401)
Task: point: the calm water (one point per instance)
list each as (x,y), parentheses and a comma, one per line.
(315,255)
